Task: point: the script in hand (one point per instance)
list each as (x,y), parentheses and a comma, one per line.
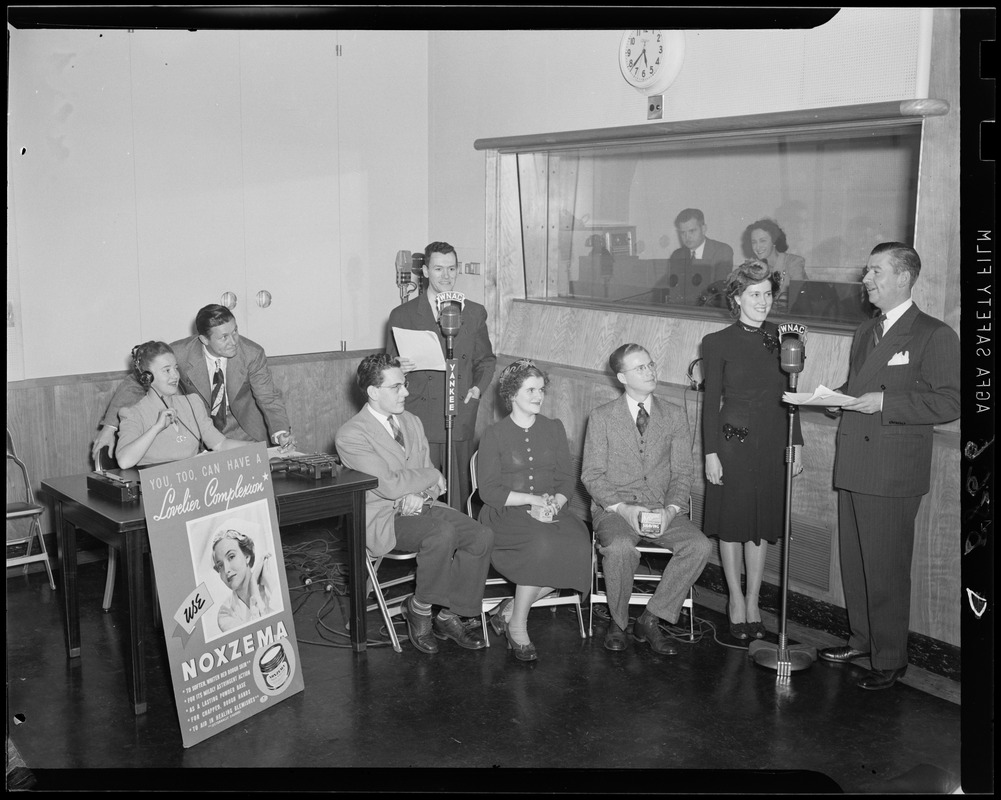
(821,396)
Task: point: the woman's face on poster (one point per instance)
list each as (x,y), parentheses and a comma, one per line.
(231,563)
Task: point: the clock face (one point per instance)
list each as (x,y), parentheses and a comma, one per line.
(650,60)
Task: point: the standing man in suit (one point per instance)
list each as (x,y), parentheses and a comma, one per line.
(229,372)
(638,458)
(453,551)
(904,376)
(471,349)
(696,250)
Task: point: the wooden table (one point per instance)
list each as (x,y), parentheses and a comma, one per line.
(123,526)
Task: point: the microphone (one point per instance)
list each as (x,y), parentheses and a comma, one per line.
(450,318)
(402,268)
(793,347)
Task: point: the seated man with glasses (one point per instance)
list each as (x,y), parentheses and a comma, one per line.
(453,551)
(638,470)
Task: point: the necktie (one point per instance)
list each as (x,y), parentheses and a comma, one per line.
(877,332)
(692,256)
(397,433)
(218,398)
(642,420)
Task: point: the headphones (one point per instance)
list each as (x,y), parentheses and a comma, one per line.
(144,376)
(697,384)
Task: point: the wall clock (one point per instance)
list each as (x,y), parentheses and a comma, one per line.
(651,60)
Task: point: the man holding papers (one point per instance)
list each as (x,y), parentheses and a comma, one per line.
(904,378)
(473,353)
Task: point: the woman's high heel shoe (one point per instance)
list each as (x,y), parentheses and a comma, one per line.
(523,652)
(497,618)
(738,630)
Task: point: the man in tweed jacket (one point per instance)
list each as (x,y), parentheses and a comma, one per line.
(637,458)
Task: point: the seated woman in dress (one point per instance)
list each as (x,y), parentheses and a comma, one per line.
(164,425)
(525,480)
(248,578)
(766,241)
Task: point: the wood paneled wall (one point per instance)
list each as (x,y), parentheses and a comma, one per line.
(54,420)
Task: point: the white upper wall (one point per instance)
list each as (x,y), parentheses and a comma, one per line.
(485,84)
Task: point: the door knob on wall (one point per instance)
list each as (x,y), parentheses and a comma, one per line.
(228,299)
(264,298)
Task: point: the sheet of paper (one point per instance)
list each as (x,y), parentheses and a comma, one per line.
(421,346)
(821,396)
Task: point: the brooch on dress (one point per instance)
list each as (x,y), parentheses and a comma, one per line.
(768,340)
(729,432)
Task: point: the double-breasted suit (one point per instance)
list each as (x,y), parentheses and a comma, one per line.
(255,406)
(453,550)
(882,468)
(654,470)
(475,367)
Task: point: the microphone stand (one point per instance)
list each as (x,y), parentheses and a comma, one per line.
(451,365)
(783,658)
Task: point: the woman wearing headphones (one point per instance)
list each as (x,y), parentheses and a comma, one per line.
(164,425)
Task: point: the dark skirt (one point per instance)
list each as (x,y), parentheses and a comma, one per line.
(531,553)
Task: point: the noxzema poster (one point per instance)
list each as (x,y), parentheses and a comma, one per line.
(220,580)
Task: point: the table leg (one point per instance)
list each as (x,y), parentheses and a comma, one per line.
(357,577)
(66,539)
(135,580)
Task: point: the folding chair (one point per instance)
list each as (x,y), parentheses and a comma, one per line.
(25,509)
(391,607)
(638,598)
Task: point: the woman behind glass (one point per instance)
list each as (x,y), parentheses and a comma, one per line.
(523,467)
(766,242)
(165,425)
(744,432)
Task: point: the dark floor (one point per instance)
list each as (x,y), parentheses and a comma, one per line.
(706,720)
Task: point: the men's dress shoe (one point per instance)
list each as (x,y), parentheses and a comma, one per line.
(615,637)
(452,628)
(881,678)
(842,655)
(419,629)
(647,629)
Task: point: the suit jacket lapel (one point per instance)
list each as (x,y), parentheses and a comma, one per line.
(197,373)
(892,342)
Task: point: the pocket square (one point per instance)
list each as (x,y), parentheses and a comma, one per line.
(899,359)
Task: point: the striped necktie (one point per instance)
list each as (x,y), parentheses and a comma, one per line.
(397,433)
(218,398)
(877,332)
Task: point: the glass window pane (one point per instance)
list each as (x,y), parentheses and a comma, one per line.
(828,196)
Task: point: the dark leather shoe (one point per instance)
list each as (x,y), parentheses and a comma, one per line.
(615,637)
(646,629)
(881,678)
(841,655)
(452,628)
(419,629)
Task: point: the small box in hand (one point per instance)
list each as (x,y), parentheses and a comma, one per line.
(542,513)
(650,522)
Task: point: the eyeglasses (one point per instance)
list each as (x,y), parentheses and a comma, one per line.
(396,387)
(651,367)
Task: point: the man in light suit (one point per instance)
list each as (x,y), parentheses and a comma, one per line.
(904,376)
(453,551)
(476,361)
(697,250)
(638,458)
(246,406)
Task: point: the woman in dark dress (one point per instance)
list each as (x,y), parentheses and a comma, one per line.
(744,432)
(525,479)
